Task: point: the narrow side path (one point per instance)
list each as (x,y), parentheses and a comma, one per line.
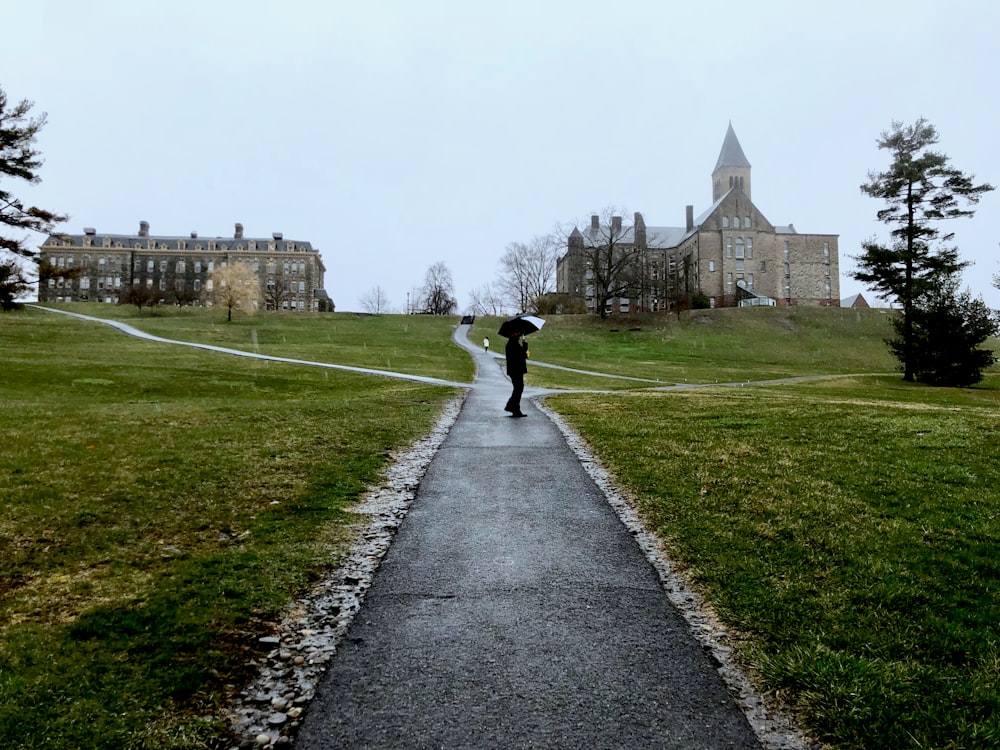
(515,610)
(132,331)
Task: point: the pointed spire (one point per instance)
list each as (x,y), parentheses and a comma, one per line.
(732,152)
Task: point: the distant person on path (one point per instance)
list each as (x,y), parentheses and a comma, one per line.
(517,366)
(486,344)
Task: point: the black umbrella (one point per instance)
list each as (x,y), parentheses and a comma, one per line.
(523,324)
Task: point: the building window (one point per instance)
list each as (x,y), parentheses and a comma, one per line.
(746,222)
(711,266)
(729,247)
(209,284)
(736,222)
(302,287)
(740,248)
(749,248)
(150,265)
(163,285)
(197,285)
(763,266)
(725,222)
(197,266)
(211,267)
(85,283)
(181,266)
(211,245)
(711,302)
(729,282)
(786,251)
(750,280)
(826,253)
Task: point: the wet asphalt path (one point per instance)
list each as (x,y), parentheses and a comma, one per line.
(514,610)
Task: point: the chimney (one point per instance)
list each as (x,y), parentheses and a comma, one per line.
(194,235)
(143,228)
(90,231)
(277,235)
(239,232)
(616,224)
(689,211)
(595,222)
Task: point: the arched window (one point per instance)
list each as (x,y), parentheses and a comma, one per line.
(736,222)
(725,222)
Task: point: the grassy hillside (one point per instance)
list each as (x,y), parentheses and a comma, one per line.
(161,504)
(416,344)
(708,346)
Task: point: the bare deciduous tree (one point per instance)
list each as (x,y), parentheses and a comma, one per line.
(275,289)
(142,295)
(438,292)
(611,256)
(375,301)
(485,300)
(235,286)
(528,271)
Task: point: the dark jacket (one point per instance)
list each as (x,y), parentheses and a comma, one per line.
(517,357)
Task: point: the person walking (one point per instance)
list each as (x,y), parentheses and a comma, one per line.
(517,366)
(486,344)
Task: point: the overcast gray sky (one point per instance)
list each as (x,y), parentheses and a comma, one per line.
(393,134)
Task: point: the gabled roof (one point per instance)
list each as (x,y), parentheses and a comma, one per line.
(732,152)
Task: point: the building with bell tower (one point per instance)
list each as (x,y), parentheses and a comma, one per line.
(732,170)
(729,255)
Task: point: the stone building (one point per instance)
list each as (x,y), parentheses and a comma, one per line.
(179,270)
(731,255)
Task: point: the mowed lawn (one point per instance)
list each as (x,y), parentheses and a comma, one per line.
(164,504)
(159,506)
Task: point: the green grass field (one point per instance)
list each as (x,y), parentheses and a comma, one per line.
(162,504)
(707,346)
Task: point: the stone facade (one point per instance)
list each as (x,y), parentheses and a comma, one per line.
(179,270)
(732,254)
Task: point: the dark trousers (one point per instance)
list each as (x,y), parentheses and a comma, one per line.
(514,402)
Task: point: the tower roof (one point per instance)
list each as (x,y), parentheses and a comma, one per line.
(732,152)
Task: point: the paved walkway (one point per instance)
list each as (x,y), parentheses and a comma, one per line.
(514,610)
